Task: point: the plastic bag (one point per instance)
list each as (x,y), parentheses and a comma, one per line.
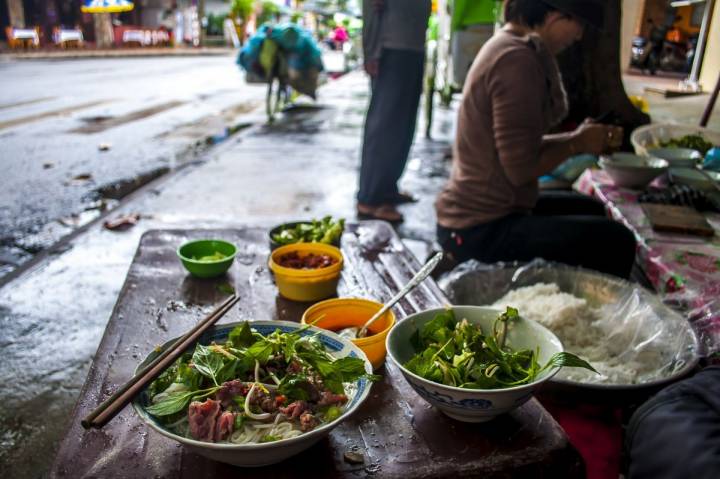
(645,339)
(301,58)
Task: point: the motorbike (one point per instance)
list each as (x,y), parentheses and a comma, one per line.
(644,55)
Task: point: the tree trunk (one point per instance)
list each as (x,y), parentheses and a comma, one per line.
(16,13)
(103,30)
(593,79)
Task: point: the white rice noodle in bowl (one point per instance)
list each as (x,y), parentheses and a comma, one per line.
(245,445)
(623,330)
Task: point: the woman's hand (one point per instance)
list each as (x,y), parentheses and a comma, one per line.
(372,67)
(597,138)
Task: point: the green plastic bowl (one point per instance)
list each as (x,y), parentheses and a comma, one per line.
(190,251)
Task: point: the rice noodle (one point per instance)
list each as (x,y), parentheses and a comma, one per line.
(586,331)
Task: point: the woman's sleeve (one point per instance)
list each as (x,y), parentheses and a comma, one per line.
(517,87)
(372,46)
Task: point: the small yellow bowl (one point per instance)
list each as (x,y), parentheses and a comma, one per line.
(336,314)
(306,284)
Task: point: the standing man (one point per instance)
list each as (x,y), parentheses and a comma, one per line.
(394,53)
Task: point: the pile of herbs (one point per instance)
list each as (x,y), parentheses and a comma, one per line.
(460,354)
(203,371)
(316,231)
(694,142)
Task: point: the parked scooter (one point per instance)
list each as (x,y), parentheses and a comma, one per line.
(642,56)
(646,52)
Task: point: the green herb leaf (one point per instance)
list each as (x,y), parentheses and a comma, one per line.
(226,288)
(295,387)
(439,329)
(176,402)
(260,351)
(240,419)
(241,336)
(566,359)
(165,379)
(207,362)
(332,413)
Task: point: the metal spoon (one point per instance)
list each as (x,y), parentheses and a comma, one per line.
(352,332)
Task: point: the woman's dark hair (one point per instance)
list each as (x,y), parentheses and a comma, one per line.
(527,12)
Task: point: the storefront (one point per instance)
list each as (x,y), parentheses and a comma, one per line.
(668,37)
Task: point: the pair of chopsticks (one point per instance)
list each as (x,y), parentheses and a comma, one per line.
(102,414)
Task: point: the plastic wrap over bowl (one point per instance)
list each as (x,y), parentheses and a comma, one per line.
(639,325)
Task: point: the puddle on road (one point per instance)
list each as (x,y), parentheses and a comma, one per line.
(105,123)
(216,127)
(26,102)
(119,189)
(49,114)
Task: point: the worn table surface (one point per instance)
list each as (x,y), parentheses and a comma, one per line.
(399,433)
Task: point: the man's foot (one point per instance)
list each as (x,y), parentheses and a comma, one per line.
(403,197)
(385,212)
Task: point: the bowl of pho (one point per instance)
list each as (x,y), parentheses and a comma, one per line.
(256,393)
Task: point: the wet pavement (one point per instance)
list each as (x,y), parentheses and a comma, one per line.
(53,316)
(76,136)
(304,166)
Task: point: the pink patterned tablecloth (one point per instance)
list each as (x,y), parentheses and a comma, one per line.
(684,269)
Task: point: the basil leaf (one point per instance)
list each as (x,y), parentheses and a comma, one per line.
(173,403)
(165,379)
(241,336)
(295,387)
(207,362)
(260,351)
(439,329)
(568,360)
(350,368)
(226,288)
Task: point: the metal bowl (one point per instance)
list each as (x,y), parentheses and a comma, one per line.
(475,283)
(632,171)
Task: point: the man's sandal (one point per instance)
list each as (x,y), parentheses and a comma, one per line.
(383,212)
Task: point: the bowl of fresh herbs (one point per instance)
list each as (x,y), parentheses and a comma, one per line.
(474,363)
(325,230)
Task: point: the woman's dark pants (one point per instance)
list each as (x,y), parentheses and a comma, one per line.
(564,227)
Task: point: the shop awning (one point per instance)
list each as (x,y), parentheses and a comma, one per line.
(107,6)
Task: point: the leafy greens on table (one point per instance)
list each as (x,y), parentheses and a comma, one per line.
(460,354)
(205,370)
(694,142)
(316,231)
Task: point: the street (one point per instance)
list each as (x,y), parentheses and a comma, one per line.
(78,135)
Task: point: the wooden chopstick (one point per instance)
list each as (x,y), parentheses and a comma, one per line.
(102,414)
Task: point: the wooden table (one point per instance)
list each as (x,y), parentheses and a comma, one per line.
(399,433)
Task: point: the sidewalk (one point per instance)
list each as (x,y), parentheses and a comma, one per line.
(7,55)
(305,166)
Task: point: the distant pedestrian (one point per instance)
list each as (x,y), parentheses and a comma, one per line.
(394,52)
(340,36)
